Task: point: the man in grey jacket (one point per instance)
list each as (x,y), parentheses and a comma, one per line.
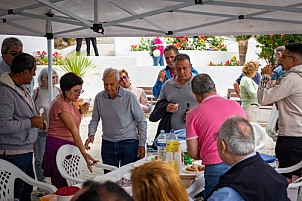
(287,92)
(19,120)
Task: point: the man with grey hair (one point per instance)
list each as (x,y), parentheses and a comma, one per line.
(203,122)
(249,178)
(278,70)
(122,120)
(10,48)
(177,92)
(170,53)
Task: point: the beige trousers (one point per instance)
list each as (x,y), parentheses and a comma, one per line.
(251,112)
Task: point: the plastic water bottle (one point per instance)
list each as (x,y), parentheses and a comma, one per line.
(161,146)
(173,151)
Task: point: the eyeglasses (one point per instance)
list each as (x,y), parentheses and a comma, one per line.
(76,92)
(53,77)
(14,53)
(284,56)
(124,78)
(215,137)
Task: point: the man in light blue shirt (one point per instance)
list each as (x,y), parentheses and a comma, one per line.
(278,71)
(249,177)
(10,48)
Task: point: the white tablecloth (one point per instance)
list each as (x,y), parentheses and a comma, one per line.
(125,171)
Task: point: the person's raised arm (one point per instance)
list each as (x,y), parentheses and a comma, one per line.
(237,89)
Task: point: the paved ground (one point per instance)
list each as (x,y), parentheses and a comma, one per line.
(152,127)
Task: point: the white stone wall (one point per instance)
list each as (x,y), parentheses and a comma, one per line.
(223,76)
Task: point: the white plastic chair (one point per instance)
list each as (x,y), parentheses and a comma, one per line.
(260,136)
(70,164)
(9,172)
(297,184)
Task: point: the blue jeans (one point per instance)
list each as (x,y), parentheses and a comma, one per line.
(39,149)
(158,60)
(122,152)
(93,41)
(212,174)
(79,45)
(22,190)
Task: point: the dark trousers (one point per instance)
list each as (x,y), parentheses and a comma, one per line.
(79,45)
(22,190)
(289,153)
(122,152)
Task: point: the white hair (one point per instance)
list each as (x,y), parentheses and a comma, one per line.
(111,70)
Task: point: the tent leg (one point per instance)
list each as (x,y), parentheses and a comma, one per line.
(50,88)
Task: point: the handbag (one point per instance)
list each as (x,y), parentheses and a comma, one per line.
(156,52)
(272,124)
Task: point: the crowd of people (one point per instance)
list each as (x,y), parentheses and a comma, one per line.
(218,130)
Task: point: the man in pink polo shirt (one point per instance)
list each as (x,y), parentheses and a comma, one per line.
(203,122)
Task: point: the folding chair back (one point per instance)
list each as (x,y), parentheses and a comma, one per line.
(9,172)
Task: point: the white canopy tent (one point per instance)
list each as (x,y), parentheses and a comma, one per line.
(75,18)
(109,18)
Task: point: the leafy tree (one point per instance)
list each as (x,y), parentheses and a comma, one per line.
(269,42)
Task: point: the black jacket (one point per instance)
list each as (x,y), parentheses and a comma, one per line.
(158,113)
(254,180)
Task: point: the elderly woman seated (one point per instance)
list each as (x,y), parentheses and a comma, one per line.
(157,181)
(140,94)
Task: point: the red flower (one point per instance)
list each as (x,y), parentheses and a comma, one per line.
(211,63)
(222,45)
(38,52)
(202,37)
(282,35)
(44,53)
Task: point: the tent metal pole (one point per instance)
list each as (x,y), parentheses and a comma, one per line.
(96,12)
(49,51)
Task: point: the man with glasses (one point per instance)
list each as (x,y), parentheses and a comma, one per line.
(203,122)
(122,119)
(249,177)
(11,47)
(287,92)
